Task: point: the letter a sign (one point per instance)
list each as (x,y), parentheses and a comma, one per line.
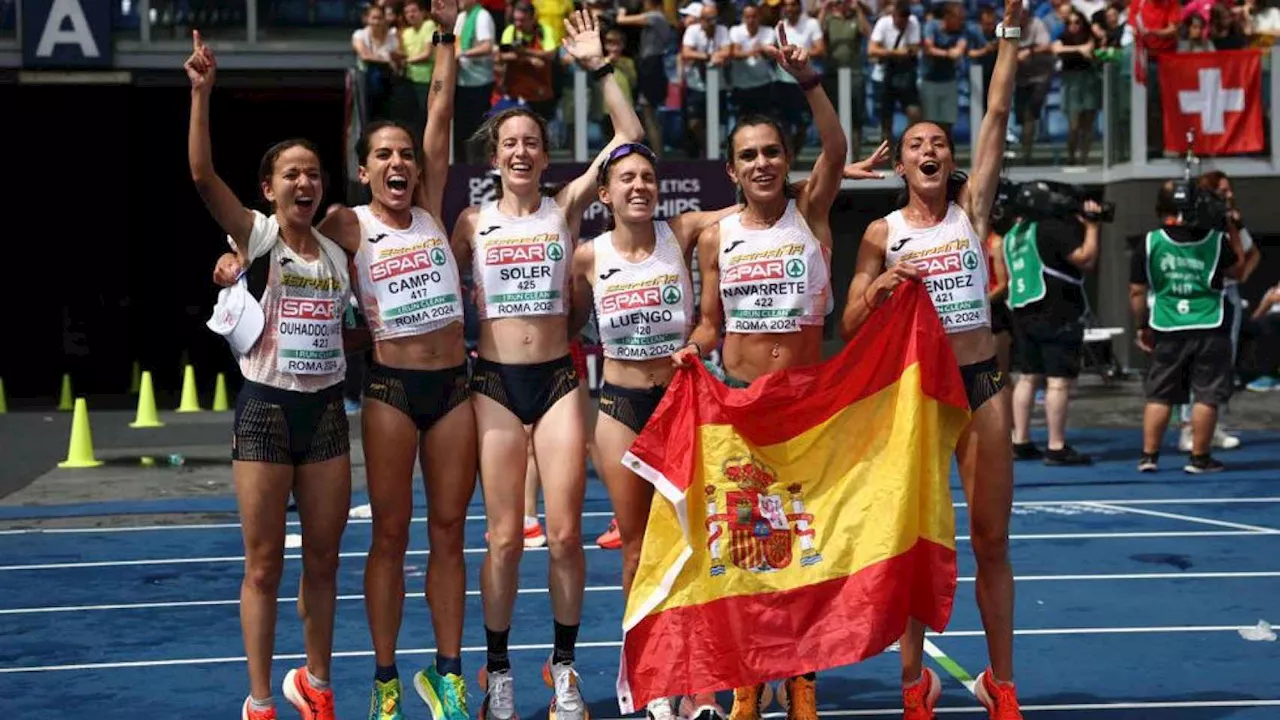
(66,34)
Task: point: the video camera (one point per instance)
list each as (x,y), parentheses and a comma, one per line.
(1046,199)
(1199,208)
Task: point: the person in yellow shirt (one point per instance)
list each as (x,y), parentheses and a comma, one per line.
(552,13)
(415,44)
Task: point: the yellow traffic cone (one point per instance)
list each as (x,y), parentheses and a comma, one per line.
(4,408)
(64,402)
(147,416)
(135,383)
(80,449)
(219,394)
(190,402)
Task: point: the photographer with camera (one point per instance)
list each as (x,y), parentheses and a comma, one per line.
(1054,241)
(1184,265)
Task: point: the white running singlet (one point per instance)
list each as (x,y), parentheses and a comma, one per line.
(644,309)
(301,344)
(952,263)
(521,263)
(772,280)
(408,279)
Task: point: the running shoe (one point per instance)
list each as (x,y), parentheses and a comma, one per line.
(1202,464)
(248,713)
(384,704)
(567,702)
(499,696)
(1221,439)
(1262,383)
(660,709)
(1149,462)
(445,695)
(311,703)
(798,696)
(999,698)
(1067,455)
(919,698)
(611,539)
(1026,451)
(749,702)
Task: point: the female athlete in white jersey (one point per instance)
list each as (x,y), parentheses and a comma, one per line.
(416,396)
(765,273)
(524,380)
(939,238)
(637,275)
(290,431)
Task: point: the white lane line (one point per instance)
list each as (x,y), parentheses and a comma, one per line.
(1069,707)
(1184,518)
(602,513)
(478,551)
(601,644)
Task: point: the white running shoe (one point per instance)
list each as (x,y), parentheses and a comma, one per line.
(567,703)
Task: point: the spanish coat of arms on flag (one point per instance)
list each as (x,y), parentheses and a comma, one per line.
(800,522)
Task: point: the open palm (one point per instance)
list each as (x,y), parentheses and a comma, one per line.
(582,38)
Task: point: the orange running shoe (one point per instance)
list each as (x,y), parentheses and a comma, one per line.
(311,703)
(1000,698)
(248,713)
(799,696)
(611,539)
(919,698)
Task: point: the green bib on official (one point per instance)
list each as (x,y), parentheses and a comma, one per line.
(1181,280)
(1026,269)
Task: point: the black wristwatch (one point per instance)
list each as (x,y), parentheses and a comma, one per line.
(439,38)
(600,72)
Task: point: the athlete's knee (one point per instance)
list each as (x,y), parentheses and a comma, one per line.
(1059,383)
(446,533)
(320,565)
(262,574)
(990,542)
(564,539)
(390,537)
(505,547)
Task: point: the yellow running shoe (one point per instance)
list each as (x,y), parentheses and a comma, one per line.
(749,703)
(384,703)
(799,696)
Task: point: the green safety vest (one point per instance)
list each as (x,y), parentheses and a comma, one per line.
(1026,268)
(1182,297)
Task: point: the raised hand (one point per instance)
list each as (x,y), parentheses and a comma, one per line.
(862,169)
(792,59)
(201,66)
(445,13)
(582,40)
(1015,15)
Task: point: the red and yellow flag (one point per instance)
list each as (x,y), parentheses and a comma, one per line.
(801,520)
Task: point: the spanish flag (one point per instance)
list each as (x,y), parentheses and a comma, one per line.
(802,519)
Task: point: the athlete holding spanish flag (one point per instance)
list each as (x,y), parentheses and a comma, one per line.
(939,238)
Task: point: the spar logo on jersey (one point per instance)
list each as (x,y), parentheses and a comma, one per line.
(307,309)
(407,263)
(952,262)
(521,251)
(639,298)
(764,270)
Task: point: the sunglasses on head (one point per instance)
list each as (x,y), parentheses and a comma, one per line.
(623,151)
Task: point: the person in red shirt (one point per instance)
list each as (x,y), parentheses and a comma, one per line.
(1155,26)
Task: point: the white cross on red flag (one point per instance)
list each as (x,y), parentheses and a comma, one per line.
(1216,94)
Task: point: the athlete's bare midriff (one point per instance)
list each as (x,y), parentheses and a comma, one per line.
(748,356)
(973,346)
(437,350)
(639,374)
(524,340)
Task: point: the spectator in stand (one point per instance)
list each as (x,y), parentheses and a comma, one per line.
(624,74)
(705,44)
(419,53)
(803,31)
(377,49)
(1226,32)
(845,28)
(527,58)
(651,66)
(895,45)
(752,70)
(1110,30)
(475,35)
(1081,86)
(1031,85)
(1194,35)
(983,45)
(1155,25)
(944,45)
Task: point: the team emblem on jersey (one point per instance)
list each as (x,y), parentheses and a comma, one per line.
(761,534)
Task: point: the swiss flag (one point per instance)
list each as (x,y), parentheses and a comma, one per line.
(1216,94)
